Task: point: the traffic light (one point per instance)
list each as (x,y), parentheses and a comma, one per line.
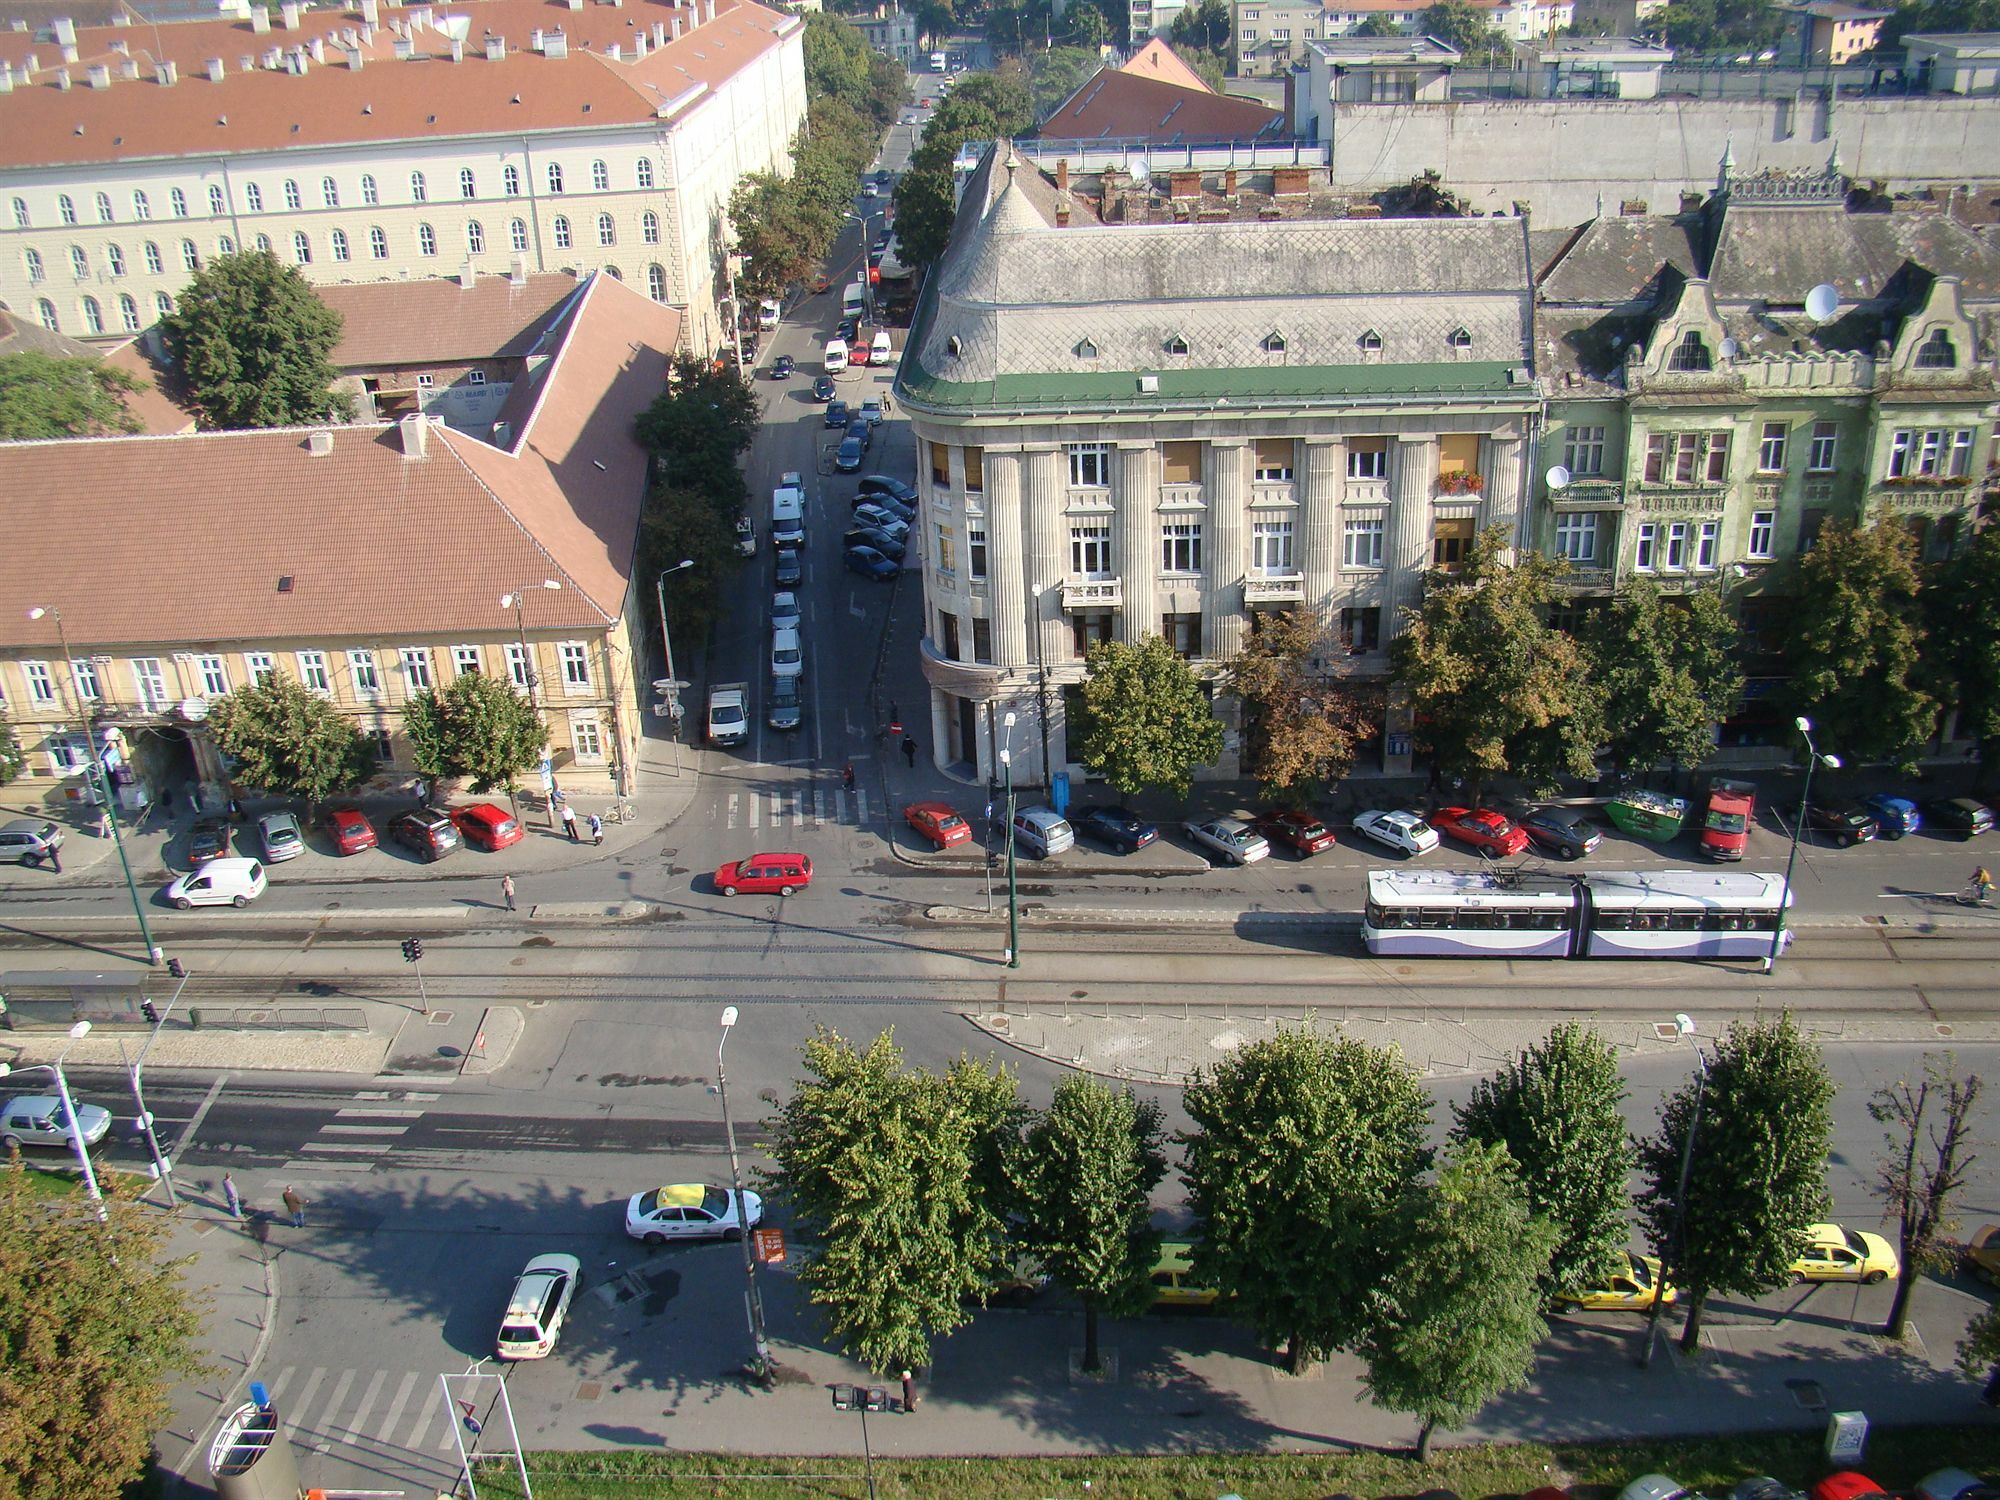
(412,950)
(150,1011)
(176,968)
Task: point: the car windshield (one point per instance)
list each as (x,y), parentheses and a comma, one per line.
(1728,822)
(1855,1243)
(520,1333)
(715,1202)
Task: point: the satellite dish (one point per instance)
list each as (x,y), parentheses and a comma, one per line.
(1730,348)
(1141,173)
(1558,478)
(1822,302)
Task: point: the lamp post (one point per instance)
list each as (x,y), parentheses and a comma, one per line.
(867,245)
(76,1034)
(515,602)
(161,1165)
(1684,1024)
(72,692)
(1813,758)
(753,1300)
(1013,887)
(670,686)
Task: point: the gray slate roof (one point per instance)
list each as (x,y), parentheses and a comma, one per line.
(1780,254)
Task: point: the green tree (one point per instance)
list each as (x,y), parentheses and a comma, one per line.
(1302,1148)
(1761,1109)
(289,741)
(1668,669)
(1461,24)
(1557,1109)
(1961,600)
(252,341)
(686,525)
(1496,687)
(699,426)
(98,1327)
(1688,26)
(1061,71)
(1302,727)
(891,1174)
(781,235)
(1936,17)
(12,761)
(1084,1179)
(1457,1321)
(986,107)
(1380,23)
(1145,720)
(1205,26)
(479,727)
(42,396)
(1979,1349)
(1856,642)
(1924,1164)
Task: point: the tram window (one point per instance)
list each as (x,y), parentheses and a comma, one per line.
(1684,921)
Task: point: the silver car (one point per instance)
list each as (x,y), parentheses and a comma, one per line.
(38,1120)
(281,836)
(1233,839)
(28,841)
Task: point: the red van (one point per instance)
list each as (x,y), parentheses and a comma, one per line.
(485,826)
(761,874)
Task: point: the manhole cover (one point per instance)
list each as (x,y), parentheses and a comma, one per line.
(1808,1394)
(440,1017)
(590,1390)
(1942,1029)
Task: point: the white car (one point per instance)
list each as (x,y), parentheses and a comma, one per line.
(1403,831)
(746,537)
(537,1307)
(788,653)
(784,610)
(40,1120)
(1233,839)
(689,1211)
(791,479)
(220,882)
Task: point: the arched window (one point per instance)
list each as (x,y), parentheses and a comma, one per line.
(340,244)
(368,193)
(215,204)
(154,264)
(128,311)
(178,202)
(78,261)
(263,245)
(562,233)
(1937,352)
(378,244)
(93,316)
(190,257)
(292,198)
(656,282)
(607,232)
(66,209)
(649,227)
(254,196)
(224,245)
(114,258)
(162,304)
(46,311)
(510,181)
(614,273)
(104,215)
(517,233)
(302,250)
(141,207)
(1691,353)
(34,260)
(329,192)
(475,238)
(418,192)
(555,177)
(468,186)
(600,176)
(20,213)
(427,240)
(645,171)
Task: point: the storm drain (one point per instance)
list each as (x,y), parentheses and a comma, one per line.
(1808,1394)
(590,1390)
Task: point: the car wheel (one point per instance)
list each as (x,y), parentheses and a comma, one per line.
(731,1236)
(654,1237)
(33,861)
(786,890)
(1569,851)
(182,902)
(240,902)
(1562,1305)
(1845,841)
(11,1142)
(1876,1278)
(729,890)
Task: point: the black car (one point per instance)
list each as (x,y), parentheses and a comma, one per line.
(1116,827)
(823,388)
(788,571)
(782,367)
(850,329)
(882,484)
(1959,815)
(1560,831)
(864,430)
(1841,819)
(428,830)
(836,414)
(876,537)
(870,564)
(210,840)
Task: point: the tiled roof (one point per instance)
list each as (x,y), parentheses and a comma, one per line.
(190,534)
(424,97)
(1118,105)
(439,320)
(17,336)
(1157,60)
(1615,260)
(158,406)
(1780,254)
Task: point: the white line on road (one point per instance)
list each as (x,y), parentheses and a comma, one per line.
(386,1128)
(322,1164)
(200,1114)
(332,1410)
(306,1395)
(367,1404)
(350,1148)
(396,1403)
(380,1114)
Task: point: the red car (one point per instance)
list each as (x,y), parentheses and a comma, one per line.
(1295,830)
(938,823)
(485,826)
(349,831)
(1482,828)
(762,874)
(1845,1485)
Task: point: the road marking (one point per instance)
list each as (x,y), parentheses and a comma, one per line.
(325,1433)
(423,1098)
(322,1164)
(200,1114)
(367,1404)
(277,1387)
(384,1129)
(381,1114)
(396,1403)
(306,1395)
(350,1148)
(819,805)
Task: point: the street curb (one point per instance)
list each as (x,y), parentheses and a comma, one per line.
(502,1026)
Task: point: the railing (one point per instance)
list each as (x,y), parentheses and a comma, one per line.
(1589,494)
(1093,593)
(1274,588)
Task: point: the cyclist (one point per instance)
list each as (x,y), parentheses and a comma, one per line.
(1981,884)
(847,777)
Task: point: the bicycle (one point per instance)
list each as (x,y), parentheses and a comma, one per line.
(1976,893)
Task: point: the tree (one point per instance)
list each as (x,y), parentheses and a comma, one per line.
(1303,1146)
(1496,687)
(1979,1349)
(1061,71)
(289,741)
(699,425)
(781,236)
(1205,26)
(1456,1322)
(1557,1109)
(98,1327)
(1084,1177)
(1761,1111)
(42,396)
(479,727)
(1381,23)
(893,1174)
(1935,17)
(1669,674)
(1961,648)
(1145,720)
(986,107)
(1460,24)
(12,761)
(1303,727)
(252,339)
(1925,1163)
(1856,643)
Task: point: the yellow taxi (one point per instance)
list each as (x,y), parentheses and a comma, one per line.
(1629,1289)
(1173,1279)
(1836,1254)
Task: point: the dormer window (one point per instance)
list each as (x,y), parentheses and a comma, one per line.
(1085,349)
(1937,353)
(1371,342)
(1690,354)
(1274,343)
(1460,339)
(953,347)
(1177,345)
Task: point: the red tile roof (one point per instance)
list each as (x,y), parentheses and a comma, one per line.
(439,320)
(1125,106)
(1157,60)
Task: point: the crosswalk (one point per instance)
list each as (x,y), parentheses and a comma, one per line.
(380,1415)
(361,1134)
(797,807)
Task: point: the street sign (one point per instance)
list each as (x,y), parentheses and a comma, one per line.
(770,1245)
(470,1422)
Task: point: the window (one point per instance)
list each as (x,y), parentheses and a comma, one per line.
(427,240)
(1281,33)
(1183,633)
(1368,458)
(1089,465)
(263,244)
(1706,537)
(1274,343)
(214,676)
(142,207)
(1576,537)
(517,233)
(475,377)
(1249,33)
(561,232)
(467,185)
(151,682)
(1677,539)
(1819,457)
(1763,525)
(940,464)
(1687,457)
(41,683)
(21,213)
(656,282)
(946,553)
(1811,522)
(128,312)
(292,199)
(302,251)
(67,753)
(190,257)
(78,261)
(1771,449)
(425,382)
(1271,548)
(464,660)
(975,470)
(1091,627)
(104,214)
(600,176)
(645,172)
(378,244)
(1361,541)
(253,196)
(368,192)
(1690,354)
(162,304)
(475,238)
(380,743)
(555,177)
(153,262)
(178,202)
(586,739)
(1090,549)
(361,668)
(34,260)
(93,316)
(607,232)
(340,244)
(1451,542)
(975,550)
(649,227)
(510,181)
(517,667)
(416,668)
(114,259)
(1177,345)
(261,665)
(419,193)
(215,201)
(1370,342)
(575,658)
(1937,352)
(1718,457)
(1274,460)
(1180,462)
(88,688)
(45,310)
(1642,556)
(65,209)
(1180,551)
(1930,455)
(1362,630)
(982,641)
(329,193)
(1583,450)
(1085,349)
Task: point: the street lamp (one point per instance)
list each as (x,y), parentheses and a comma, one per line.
(1813,758)
(670,686)
(760,1366)
(515,602)
(1013,888)
(76,1034)
(161,1166)
(74,692)
(1684,1026)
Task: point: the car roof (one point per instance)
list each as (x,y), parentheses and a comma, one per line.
(33,1103)
(27,825)
(218,866)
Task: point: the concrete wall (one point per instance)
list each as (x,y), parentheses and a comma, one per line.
(1559,155)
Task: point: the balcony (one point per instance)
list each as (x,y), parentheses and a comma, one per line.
(1925,495)
(1590,580)
(1274,588)
(1175,496)
(1589,494)
(1093,593)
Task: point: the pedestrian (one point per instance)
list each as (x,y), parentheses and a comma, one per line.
(423,791)
(231,1197)
(507,890)
(910,750)
(596,829)
(569,822)
(55,858)
(909,1393)
(295,1206)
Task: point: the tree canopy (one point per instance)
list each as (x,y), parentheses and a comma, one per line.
(252,341)
(1935,17)
(286,740)
(1856,642)
(43,396)
(12,761)
(1461,24)
(1669,673)
(1961,653)
(479,727)
(984,107)
(1301,726)
(1145,720)
(1205,26)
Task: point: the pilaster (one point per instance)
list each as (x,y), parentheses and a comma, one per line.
(1319,521)
(1136,485)
(1048,541)
(1006,566)
(1228,492)
(1412,479)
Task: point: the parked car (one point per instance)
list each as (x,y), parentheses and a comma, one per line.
(1403,831)
(1840,819)
(1042,831)
(872,412)
(40,1120)
(1481,828)
(1174,1284)
(1630,1287)
(897,526)
(938,822)
(29,841)
(864,431)
(209,840)
(873,536)
(1759,1487)
(1836,1254)
(746,537)
(537,1307)
(870,563)
(1953,1484)
(1231,838)
(281,837)
(787,572)
(1960,815)
(1982,1254)
(1657,1487)
(486,826)
(1895,816)
(427,831)
(784,609)
(220,882)
(1116,827)
(823,387)
(765,874)
(1560,831)
(884,505)
(835,414)
(882,484)
(782,367)
(784,709)
(347,830)
(689,1211)
(1845,1485)
(847,458)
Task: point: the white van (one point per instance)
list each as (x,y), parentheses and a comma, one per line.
(836,356)
(767,314)
(788,516)
(220,882)
(853,300)
(879,352)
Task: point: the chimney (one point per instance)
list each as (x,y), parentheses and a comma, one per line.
(638,46)
(1062,212)
(616,52)
(403,49)
(215,70)
(496,48)
(659,34)
(677,26)
(355,57)
(371,13)
(415,433)
(65,31)
(98,76)
(316,49)
(710,16)
(574,4)
(457,50)
(535,40)
(288,15)
(62,80)
(1062,175)
(128,68)
(556,45)
(320,443)
(70,54)
(6,78)
(272,60)
(466,275)
(1229,182)
(168,73)
(260,20)
(1289,182)
(517,274)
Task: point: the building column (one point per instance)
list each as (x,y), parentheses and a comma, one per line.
(944,730)
(1228,492)
(1048,562)
(1412,479)
(1005,566)
(1136,484)
(1501,503)
(1319,522)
